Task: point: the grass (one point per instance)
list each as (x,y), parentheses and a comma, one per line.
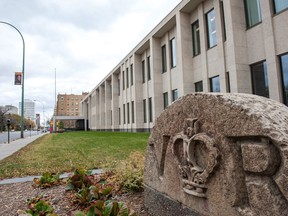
(63,152)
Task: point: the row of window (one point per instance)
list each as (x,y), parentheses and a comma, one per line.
(67,98)
(259,76)
(72,104)
(173,55)
(253,10)
(166,99)
(127,78)
(128,113)
(211,31)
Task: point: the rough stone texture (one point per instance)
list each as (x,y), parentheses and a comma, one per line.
(219,154)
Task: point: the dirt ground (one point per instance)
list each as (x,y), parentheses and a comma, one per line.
(13,197)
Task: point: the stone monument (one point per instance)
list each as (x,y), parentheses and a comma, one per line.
(218,154)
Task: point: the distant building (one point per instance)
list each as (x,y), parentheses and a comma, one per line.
(9,109)
(69,105)
(29,109)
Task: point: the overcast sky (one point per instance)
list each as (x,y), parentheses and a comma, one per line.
(82,39)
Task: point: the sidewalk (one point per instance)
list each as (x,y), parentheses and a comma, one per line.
(8,149)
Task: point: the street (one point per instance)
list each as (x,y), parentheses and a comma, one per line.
(15,135)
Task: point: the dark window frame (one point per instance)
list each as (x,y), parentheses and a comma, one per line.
(211,83)
(165,100)
(131,75)
(164,58)
(173,53)
(143,72)
(174,98)
(148,68)
(197,85)
(127,77)
(248,24)
(196,38)
(150,105)
(144,111)
(255,90)
(210,46)
(278,11)
(285,96)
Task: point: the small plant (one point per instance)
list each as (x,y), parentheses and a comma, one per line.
(38,207)
(80,179)
(47,180)
(107,208)
(85,196)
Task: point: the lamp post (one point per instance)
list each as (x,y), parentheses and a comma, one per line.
(23,66)
(43,113)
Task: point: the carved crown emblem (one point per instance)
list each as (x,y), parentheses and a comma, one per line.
(196,156)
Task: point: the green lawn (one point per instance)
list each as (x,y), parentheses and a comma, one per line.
(64,152)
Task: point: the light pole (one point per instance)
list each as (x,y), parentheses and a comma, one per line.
(23,66)
(43,113)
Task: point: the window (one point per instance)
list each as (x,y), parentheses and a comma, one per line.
(199,86)
(119,115)
(143,72)
(260,79)
(131,75)
(215,84)
(124,117)
(118,87)
(127,77)
(196,38)
(174,94)
(164,59)
(284,72)
(223,20)
(165,100)
(148,68)
(111,120)
(128,113)
(280,5)
(133,114)
(253,12)
(144,111)
(228,82)
(173,52)
(123,80)
(150,110)
(211,28)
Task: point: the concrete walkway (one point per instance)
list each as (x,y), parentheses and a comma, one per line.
(8,149)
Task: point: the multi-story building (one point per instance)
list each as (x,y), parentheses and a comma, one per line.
(202,45)
(29,109)
(69,105)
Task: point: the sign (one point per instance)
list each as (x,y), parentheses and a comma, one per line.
(18,78)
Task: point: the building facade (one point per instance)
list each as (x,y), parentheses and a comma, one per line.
(69,104)
(69,109)
(201,46)
(29,109)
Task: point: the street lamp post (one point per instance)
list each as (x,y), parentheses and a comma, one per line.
(23,66)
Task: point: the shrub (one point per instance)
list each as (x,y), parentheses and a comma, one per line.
(129,173)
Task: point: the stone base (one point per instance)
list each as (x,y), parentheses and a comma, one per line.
(159,205)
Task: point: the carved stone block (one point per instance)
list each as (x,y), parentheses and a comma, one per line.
(219,154)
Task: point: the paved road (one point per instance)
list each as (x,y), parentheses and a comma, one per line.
(14,135)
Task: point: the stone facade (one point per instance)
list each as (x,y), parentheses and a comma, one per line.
(136,91)
(219,154)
